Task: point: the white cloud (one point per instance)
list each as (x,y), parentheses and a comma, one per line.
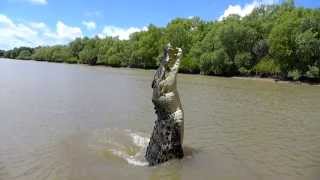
(246,9)
(122,33)
(42,2)
(15,34)
(5,21)
(67,32)
(35,2)
(38,25)
(90,25)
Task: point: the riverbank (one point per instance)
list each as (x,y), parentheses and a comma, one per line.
(275,80)
(253,78)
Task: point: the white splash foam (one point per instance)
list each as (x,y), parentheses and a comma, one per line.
(117,141)
(130,159)
(139,140)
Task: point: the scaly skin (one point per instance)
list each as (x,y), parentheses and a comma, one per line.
(167,137)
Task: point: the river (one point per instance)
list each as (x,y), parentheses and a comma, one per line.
(77,122)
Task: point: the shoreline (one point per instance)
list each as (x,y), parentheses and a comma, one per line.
(251,78)
(274,80)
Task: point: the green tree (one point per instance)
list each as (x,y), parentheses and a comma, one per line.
(89,54)
(278,40)
(267,67)
(42,54)
(77,46)
(216,63)
(146,48)
(282,42)
(62,54)
(244,62)
(24,54)
(313,72)
(178,34)
(189,65)
(2,52)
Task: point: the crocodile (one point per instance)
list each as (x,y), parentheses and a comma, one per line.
(167,136)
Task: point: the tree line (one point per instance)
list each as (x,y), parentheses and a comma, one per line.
(280,41)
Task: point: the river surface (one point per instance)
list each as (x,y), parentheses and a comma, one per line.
(76,122)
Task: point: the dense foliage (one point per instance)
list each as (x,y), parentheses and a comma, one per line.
(280,41)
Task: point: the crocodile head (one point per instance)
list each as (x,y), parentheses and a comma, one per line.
(169,65)
(171,60)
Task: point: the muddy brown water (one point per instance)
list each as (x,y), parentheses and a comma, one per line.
(75,122)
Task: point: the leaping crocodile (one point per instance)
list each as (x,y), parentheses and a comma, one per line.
(167,136)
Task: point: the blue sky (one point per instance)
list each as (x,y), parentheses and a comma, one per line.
(47,22)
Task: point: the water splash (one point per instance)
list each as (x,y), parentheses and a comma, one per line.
(124,144)
(139,140)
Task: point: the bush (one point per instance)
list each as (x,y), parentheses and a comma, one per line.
(243,61)
(114,61)
(260,49)
(88,56)
(71,60)
(24,54)
(294,74)
(189,65)
(244,71)
(206,63)
(313,72)
(267,67)
(216,63)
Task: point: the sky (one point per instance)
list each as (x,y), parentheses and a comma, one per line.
(48,22)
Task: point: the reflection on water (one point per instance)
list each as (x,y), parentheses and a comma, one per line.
(73,122)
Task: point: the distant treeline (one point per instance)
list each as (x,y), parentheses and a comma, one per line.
(280,41)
